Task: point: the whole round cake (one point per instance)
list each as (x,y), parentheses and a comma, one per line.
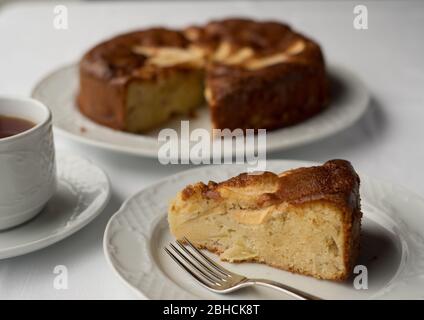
(252,75)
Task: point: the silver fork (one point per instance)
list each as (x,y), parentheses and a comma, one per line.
(218,279)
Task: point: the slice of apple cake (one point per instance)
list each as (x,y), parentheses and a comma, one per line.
(305,220)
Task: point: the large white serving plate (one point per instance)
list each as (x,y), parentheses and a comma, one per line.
(392,244)
(58,91)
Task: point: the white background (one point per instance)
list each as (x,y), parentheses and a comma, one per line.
(386,143)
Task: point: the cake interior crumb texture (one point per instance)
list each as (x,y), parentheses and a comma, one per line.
(150,104)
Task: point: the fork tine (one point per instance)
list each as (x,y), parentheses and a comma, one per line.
(217,267)
(190,263)
(189,271)
(214,273)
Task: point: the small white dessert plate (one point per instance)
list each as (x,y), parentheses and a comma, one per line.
(58,91)
(392,245)
(82,193)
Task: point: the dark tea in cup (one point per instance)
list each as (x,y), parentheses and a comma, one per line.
(10,126)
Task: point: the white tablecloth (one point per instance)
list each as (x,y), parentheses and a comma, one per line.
(386,143)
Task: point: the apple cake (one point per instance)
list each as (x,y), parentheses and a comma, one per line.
(305,220)
(252,74)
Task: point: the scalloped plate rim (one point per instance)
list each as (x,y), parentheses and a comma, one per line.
(294,163)
(56,237)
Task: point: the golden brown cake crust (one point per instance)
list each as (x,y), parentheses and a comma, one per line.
(264,37)
(335,181)
(259,74)
(106,70)
(289,88)
(115,59)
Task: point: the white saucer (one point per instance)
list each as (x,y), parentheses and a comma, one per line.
(82,193)
(392,244)
(58,91)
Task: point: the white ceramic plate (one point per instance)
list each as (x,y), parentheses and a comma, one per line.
(58,91)
(392,244)
(82,193)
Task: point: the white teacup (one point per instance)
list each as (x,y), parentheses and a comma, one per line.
(27,163)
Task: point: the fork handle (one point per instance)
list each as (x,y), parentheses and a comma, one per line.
(295,293)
